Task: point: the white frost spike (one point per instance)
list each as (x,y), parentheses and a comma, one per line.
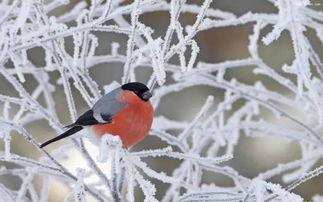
(48,59)
(77,40)
(290,69)
(24,59)
(107,143)
(131,186)
(104,149)
(113,85)
(93,45)
(6,109)
(174,6)
(79,193)
(195,51)
(220,75)
(199,146)
(155,53)
(130,43)
(114,48)
(317,198)
(18,66)
(7,141)
(259,86)
(23,14)
(3,46)
(284,20)
(258,185)
(182,59)
(27,180)
(274,35)
(160,73)
(147,187)
(189,28)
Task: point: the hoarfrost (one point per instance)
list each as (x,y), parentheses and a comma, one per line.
(25,25)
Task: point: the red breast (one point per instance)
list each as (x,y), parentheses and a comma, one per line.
(132,123)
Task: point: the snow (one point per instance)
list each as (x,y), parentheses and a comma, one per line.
(204,143)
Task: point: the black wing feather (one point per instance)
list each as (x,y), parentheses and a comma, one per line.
(107,118)
(87,119)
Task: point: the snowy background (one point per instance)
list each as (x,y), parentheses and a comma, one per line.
(238,99)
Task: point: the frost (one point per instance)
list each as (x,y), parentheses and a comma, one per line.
(107,143)
(317,198)
(113,85)
(204,143)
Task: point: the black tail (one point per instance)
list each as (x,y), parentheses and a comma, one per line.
(65,134)
(70,126)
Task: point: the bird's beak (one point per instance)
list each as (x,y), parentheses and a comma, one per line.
(146,95)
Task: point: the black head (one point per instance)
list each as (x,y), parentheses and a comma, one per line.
(139,89)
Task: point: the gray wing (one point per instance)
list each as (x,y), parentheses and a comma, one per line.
(107,106)
(102,111)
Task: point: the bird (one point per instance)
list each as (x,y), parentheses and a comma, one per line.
(125,112)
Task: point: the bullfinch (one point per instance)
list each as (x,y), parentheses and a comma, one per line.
(125,112)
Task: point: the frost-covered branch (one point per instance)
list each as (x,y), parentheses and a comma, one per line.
(71,45)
